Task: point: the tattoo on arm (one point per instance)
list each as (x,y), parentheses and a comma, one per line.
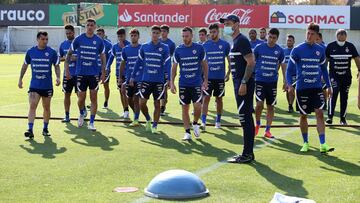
(57,71)
(23,70)
(205,67)
(249,67)
(173,71)
(103,62)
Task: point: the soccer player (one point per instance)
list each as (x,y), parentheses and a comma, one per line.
(202,35)
(269,57)
(165,29)
(308,60)
(108,46)
(290,96)
(319,41)
(68,85)
(89,48)
(253,39)
(116,52)
(129,57)
(40,58)
(216,51)
(263,34)
(242,67)
(154,57)
(191,58)
(339,54)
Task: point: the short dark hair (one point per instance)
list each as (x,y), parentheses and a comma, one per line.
(203,30)
(274,31)
(134,31)
(100,30)
(314,27)
(187,29)
(263,29)
(252,30)
(69,27)
(214,26)
(43,33)
(320,35)
(165,27)
(291,36)
(156,27)
(121,31)
(91,20)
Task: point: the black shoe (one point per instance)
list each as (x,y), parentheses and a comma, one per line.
(105,105)
(46,133)
(162,111)
(343,121)
(291,109)
(29,134)
(329,121)
(242,159)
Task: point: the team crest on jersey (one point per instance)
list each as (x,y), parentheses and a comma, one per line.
(94,42)
(347,50)
(78,84)
(276,52)
(182,97)
(46,53)
(304,106)
(318,53)
(258,93)
(160,49)
(194,51)
(143,90)
(220,46)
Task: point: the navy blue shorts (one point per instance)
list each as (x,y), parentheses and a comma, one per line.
(216,88)
(154,88)
(132,91)
(266,91)
(190,94)
(87,81)
(42,92)
(69,85)
(308,100)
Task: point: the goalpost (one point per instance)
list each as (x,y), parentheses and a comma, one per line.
(21,38)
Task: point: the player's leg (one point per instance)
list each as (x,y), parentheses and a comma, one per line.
(81,85)
(196,98)
(68,86)
(303,102)
(130,93)
(271,94)
(291,96)
(205,109)
(260,97)
(164,100)
(158,93)
(186,120)
(124,101)
(106,91)
(332,101)
(93,87)
(144,93)
(344,95)
(46,114)
(34,99)
(219,93)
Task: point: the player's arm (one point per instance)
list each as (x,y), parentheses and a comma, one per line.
(325,75)
(67,62)
(173,76)
(283,70)
(22,73)
(249,70)
(228,72)
(110,61)
(122,70)
(57,73)
(205,69)
(357,62)
(103,66)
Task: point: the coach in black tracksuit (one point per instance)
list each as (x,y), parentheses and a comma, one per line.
(339,54)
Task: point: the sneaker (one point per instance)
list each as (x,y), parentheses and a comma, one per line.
(217,125)
(81,120)
(343,121)
(329,121)
(105,105)
(268,135)
(305,147)
(29,134)
(65,120)
(154,130)
(242,159)
(91,127)
(324,148)
(148,126)
(46,133)
(257,127)
(291,109)
(135,123)
(162,111)
(125,115)
(203,126)
(196,129)
(187,137)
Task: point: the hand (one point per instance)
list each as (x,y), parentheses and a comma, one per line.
(57,81)
(330,92)
(68,75)
(131,82)
(123,87)
(284,87)
(20,84)
(103,77)
(204,85)
(173,88)
(120,81)
(227,76)
(290,89)
(242,90)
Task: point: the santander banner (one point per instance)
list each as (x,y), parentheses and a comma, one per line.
(148,15)
(328,17)
(250,16)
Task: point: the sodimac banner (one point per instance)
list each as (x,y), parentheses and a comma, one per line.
(328,17)
(24,15)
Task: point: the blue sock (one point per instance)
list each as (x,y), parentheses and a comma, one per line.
(218,118)
(267,128)
(257,122)
(46,125)
(154,125)
(147,117)
(30,126)
(203,118)
(305,137)
(136,116)
(322,138)
(92,118)
(67,114)
(82,111)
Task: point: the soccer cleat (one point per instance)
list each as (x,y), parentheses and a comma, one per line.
(125,115)
(46,133)
(135,123)
(91,127)
(324,148)
(257,127)
(203,126)
(187,137)
(105,105)
(291,109)
(329,121)
(196,129)
(65,120)
(29,134)
(217,125)
(305,147)
(242,159)
(268,135)
(154,130)
(148,126)
(81,120)
(343,121)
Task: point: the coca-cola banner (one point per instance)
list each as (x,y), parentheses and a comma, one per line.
(250,16)
(148,15)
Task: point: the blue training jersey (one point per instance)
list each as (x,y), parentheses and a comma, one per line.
(171,45)
(267,61)
(155,60)
(308,62)
(130,55)
(108,47)
(63,50)
(41,61)
(255,43)
(287,52)
(115,53)
(216,52)
(189,60)
(88,53)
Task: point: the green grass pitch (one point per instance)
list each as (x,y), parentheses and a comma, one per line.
(76,165)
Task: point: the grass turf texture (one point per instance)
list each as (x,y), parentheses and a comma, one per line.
(78,165)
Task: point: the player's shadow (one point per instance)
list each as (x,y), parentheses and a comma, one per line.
(47,150)
(108,114)
(355,131)
(226,113)
(339,165)
(285,112)
(172,119)
(232,135)
(292,186)
(88,138)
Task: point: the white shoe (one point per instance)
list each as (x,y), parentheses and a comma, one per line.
(217,125)
(81,120)
(187,137)
(125,115)
(203,126)
(91,127)
(196,129)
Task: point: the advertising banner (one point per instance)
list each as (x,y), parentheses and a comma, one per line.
(355,18)
(24,15)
